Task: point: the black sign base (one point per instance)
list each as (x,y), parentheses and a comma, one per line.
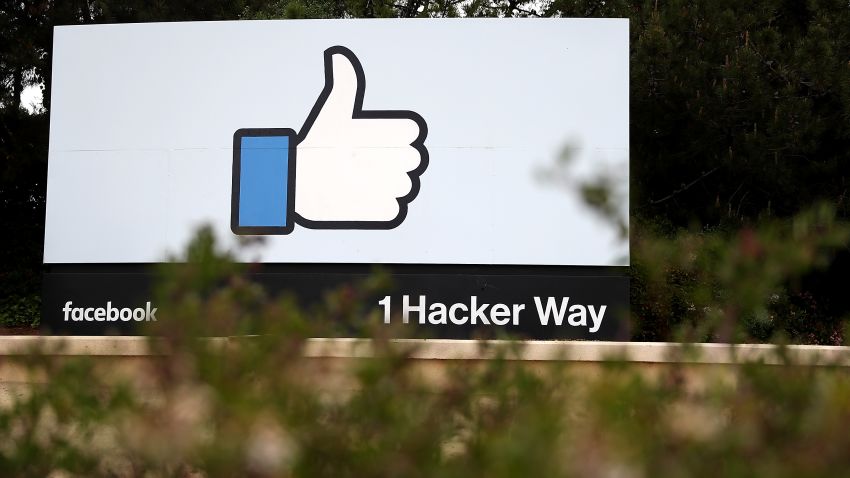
(440,301)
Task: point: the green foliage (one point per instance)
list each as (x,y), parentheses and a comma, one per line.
(739,109)
(735,286)
(295,9)
(255,406)
(23,171)
(20,311)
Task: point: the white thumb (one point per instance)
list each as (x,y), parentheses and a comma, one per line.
(344,75)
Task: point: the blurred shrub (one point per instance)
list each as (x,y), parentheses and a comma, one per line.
(255,406)
(777,279)
(741,285)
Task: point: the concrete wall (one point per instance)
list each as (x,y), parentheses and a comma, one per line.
(329,361)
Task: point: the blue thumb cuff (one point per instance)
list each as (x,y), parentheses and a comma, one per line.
(263,196)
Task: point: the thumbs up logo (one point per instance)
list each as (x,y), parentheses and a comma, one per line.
(348,168)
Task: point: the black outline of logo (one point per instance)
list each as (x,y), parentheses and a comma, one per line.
(296,138)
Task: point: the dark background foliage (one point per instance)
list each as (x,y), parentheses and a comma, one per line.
(740,114)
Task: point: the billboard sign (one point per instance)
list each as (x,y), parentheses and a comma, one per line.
(436,169)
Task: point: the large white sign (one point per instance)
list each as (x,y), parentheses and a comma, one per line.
(348,141)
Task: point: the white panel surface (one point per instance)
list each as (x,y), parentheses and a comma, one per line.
(143,118)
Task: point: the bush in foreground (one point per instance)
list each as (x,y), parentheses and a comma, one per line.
(255,406)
